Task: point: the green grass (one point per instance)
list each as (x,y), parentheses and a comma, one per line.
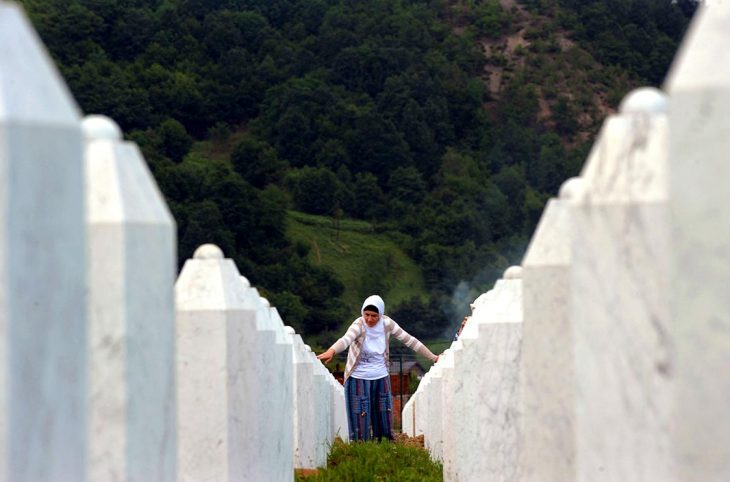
(366,262)
(366,461)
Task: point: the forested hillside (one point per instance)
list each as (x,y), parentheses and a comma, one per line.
(445,125)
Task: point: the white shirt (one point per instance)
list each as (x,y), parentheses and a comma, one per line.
(371,365)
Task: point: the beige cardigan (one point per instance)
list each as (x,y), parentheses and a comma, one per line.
(355,336)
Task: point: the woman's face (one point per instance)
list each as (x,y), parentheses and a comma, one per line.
(371,317)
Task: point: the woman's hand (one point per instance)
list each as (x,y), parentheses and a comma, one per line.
(326,357)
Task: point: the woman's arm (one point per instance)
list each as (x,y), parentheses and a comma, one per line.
(411,342)
(341,344)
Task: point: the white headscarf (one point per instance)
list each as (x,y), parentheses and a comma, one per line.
(377,302)
(374,336)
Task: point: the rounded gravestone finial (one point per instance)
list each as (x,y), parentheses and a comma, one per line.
(265,302)
(572,189)
(245,281)
(288,329)
(647,100)
(100,127)
(513,272)
(307,347)
(208,251)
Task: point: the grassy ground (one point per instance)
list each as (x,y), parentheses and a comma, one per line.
(371,461)
(366,262)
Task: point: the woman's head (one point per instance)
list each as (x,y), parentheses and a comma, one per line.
(372,310)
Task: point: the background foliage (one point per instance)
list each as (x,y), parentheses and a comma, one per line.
(443,126)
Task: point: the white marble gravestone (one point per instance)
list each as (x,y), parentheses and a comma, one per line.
(336,409)
(221,354)
(420,405)
(412,425)
(408,416)
(448,416)
(42,275)
(285,389)
(467,378)
(499,410)
(341,429)
(488,447)
(322,421)
(327,401)
(433,436)
(131,274)
(303,401)
(454,409)
(277,427)
(699,88)
(619,285)
(547,379)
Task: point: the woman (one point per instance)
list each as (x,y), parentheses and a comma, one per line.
(367,381)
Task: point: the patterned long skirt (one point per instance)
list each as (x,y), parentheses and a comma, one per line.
(369,408)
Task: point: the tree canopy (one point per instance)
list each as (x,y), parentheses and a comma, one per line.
(382,110)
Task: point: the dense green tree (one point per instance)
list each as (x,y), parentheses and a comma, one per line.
(376,110)
(406,184)
(369,199)
(316,190)
(174,140)
(257,161)
(203,223)
(424,320)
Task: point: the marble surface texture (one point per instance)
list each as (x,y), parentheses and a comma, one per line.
(322,408)
(619,306)
(434,421)
(408,416)
(277,431)
(420,405)
(303,402)
(463,386)
(131,274)
(699,88)
(340,409)
(42,287)
(219,413)
(547,377)
(448,415)
(499,413)
(485,396)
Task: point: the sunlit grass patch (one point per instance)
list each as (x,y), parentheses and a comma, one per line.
(368,461)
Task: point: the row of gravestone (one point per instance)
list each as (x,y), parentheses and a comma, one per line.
(111,369)
(606,356)
(240,369)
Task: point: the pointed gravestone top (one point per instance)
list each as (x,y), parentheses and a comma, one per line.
(703,60)
(120,187)
(627,163)
(550,245)
(209,281)
(31,89)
